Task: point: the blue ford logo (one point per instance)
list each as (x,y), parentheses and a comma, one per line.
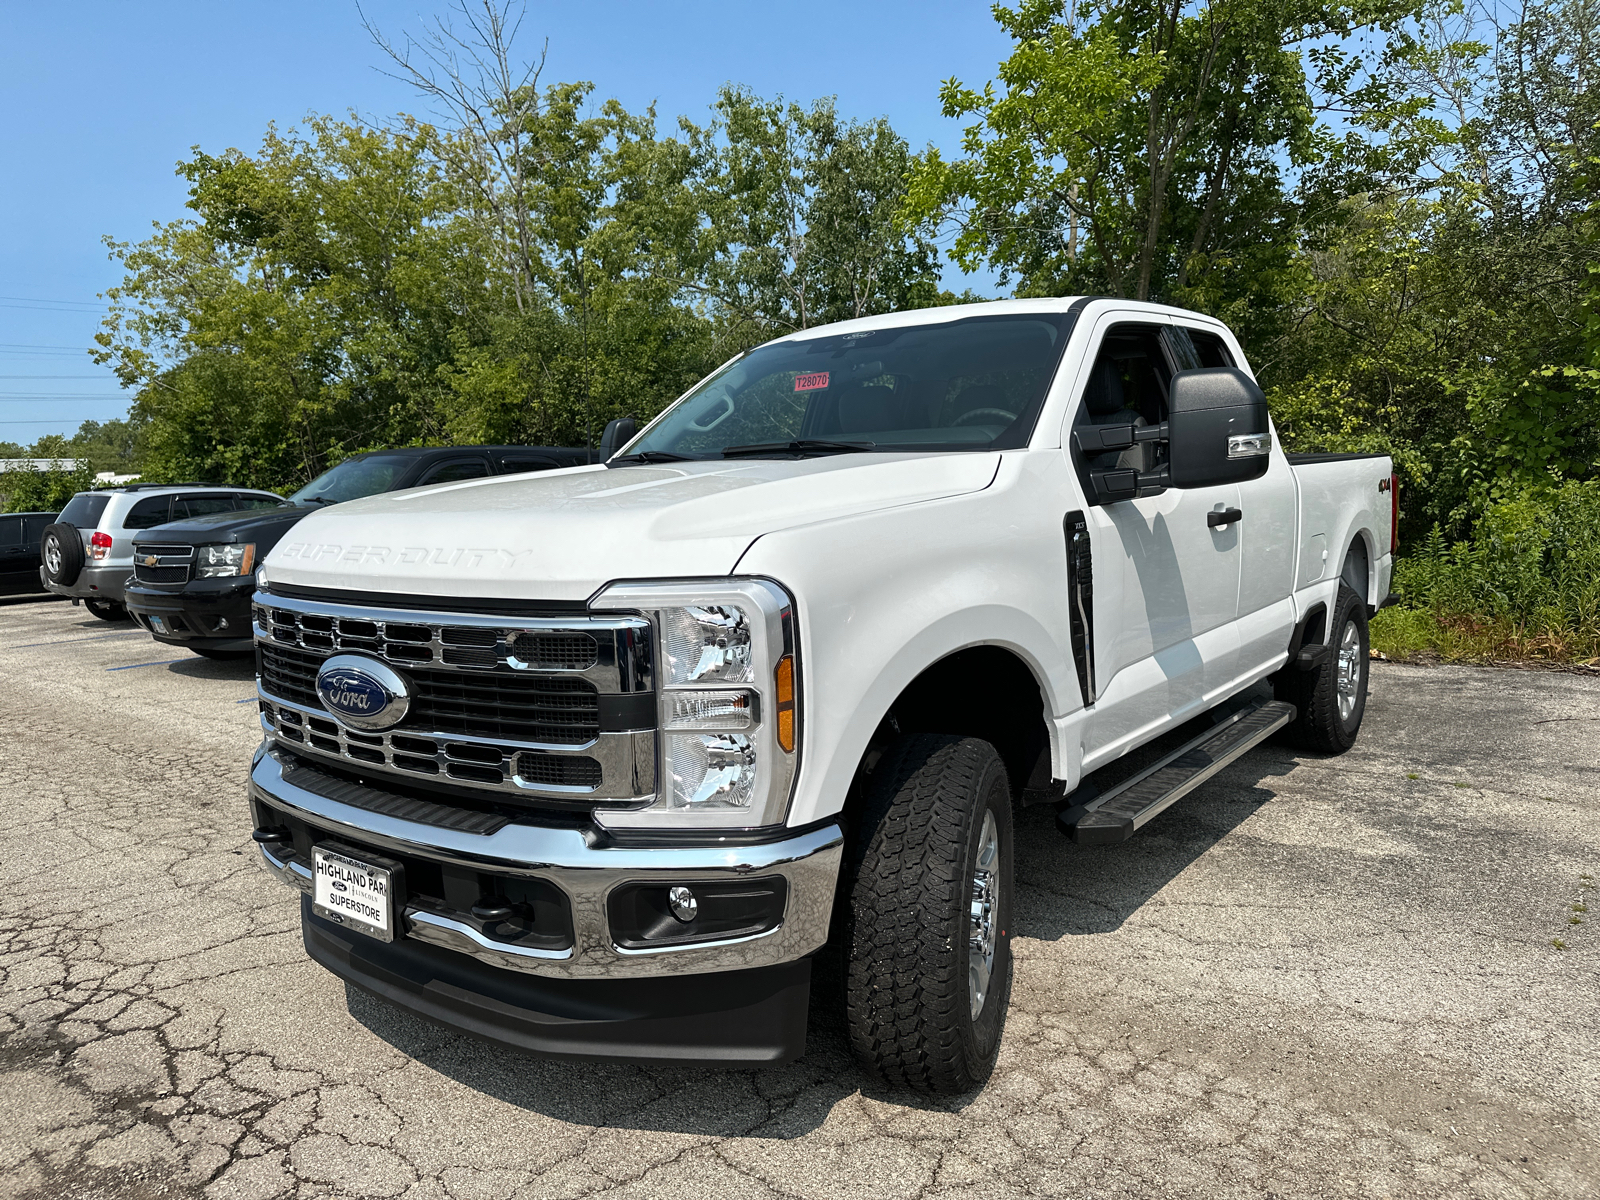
(362,692)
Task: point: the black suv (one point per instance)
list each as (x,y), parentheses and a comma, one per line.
(192,580)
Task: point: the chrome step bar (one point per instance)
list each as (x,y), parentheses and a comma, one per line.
(1116,815)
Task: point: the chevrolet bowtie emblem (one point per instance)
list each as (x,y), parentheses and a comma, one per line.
(151,560)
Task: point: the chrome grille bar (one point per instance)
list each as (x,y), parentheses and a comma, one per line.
(620,659)
(618,767)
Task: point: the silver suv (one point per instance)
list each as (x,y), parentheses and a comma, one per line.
(88,553)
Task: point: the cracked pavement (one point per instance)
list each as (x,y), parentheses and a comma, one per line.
(1312,977)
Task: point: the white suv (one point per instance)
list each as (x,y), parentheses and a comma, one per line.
(87,554)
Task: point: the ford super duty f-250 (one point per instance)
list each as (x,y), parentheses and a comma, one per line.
(595,762)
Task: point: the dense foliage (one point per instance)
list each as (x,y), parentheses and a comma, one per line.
(1393,201)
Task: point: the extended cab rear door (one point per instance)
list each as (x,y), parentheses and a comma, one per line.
(1267,536)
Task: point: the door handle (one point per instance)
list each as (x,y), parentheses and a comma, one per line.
(1226,516)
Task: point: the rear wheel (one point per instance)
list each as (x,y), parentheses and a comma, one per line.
(107,610)
(1332,699)
(928,959)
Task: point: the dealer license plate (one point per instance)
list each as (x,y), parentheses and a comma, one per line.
(353,893)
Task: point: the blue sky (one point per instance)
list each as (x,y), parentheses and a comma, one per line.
(102,99)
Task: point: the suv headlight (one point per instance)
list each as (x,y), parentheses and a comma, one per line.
(222,559)
(727,682)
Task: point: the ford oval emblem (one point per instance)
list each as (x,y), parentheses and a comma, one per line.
(362,692)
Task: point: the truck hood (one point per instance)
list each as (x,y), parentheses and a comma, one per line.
(252,525)
(561,535)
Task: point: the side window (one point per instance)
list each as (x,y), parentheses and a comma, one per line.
(1128,386)
(10,533)
(515,466)
(200,506)
(33,528)
(460,468)
(148,513)
(1213,351)
(249,501)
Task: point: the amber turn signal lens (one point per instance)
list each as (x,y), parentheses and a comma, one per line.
(784,678)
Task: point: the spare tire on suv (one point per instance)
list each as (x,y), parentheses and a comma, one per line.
(61,551)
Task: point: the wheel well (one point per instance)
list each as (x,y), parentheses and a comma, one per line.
(984,692)
(1356,571)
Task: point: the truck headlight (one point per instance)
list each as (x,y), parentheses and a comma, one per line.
(222,559)
(729,715)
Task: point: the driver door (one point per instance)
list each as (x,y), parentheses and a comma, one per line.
(1166,581)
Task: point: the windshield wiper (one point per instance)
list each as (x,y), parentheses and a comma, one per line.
(320,500)
(651,456)
(800,446)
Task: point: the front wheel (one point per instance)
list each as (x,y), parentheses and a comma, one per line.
(1332,699)
(928,970)
(107,610)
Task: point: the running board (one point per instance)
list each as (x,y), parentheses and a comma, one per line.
(1116,815)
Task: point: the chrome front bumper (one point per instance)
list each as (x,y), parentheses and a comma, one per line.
(586,873)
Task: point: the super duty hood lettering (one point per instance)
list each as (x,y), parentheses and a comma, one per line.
(561,535)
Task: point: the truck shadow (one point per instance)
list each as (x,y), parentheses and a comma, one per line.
(195,667)
(1063,890)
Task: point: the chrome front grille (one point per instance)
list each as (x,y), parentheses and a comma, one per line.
(172,564)
(562,707)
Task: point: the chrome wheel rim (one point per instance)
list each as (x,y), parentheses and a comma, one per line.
(980,959)
(52,556)
(1349,669)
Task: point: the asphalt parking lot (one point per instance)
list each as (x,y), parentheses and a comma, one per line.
(1313,977)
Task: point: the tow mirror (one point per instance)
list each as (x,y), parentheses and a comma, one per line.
(1216,432)
(1217,426)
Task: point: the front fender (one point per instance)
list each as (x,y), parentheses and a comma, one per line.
(876,609)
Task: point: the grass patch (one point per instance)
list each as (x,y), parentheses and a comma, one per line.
(1404,634)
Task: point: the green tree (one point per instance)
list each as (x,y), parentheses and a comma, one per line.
(806,215)
(303,313)
(1442,315)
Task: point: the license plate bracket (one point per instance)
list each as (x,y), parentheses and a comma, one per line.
(359,890)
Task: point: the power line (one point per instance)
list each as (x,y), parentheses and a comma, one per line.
(41,397)
(40,300)
(71,312)
(40,346)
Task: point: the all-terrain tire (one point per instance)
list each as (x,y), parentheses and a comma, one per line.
(1323,724)
(912,881)
(107,610)
(61,551)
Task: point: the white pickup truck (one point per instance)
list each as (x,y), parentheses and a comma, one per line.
(594,763)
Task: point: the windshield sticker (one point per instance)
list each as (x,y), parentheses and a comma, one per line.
(810,383)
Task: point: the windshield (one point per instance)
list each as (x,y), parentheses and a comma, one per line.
(354,478)
(975,384)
